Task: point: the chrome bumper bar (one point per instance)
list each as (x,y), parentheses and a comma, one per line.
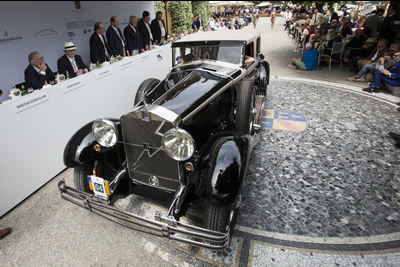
(161,225)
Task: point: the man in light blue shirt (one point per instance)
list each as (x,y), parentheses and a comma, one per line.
(308,60)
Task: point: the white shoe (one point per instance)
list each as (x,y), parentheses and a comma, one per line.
(292,67)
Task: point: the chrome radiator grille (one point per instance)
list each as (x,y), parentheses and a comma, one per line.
(143,148)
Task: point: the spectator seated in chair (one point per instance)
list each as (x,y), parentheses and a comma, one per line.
(355,45)
(379,51)
(368,47)
(385,62)
(389,76)
(333,38)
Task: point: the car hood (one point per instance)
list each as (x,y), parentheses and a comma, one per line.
(197,84)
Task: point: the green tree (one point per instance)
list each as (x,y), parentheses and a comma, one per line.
(203,8)
(181,16)
(158,6)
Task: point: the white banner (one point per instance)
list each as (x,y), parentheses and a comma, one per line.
(45,26)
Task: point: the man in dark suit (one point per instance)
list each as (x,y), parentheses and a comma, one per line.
(389,28)
(71,62)
(37,73)
(158,29)
(390,76)
(132,36)
(115,38)
(145,30)
(199,23)
(99,49)
(333,15)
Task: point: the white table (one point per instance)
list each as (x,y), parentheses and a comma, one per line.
(35,128)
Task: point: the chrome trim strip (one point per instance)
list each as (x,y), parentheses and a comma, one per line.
(164,113)
(220,91)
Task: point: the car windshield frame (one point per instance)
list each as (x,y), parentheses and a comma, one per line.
(241,45)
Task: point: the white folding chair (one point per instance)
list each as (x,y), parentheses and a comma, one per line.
(337,49)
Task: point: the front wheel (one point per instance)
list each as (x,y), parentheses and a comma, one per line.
(217,218)
(81,173)
(245,108)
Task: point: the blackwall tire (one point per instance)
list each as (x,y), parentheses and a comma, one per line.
(245,106)
(144,87)
(81,172)
(217,218)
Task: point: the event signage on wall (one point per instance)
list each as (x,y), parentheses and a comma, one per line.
(46,25)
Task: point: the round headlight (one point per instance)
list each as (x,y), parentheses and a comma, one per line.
(178,144)
(105,132)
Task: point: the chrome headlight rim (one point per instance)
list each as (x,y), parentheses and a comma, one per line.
(174,131)
(100,139)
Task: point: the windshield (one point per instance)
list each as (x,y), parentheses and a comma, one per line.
(229,54)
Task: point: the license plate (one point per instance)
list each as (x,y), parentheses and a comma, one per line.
(99,186)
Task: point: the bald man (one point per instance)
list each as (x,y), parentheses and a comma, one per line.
(116,39)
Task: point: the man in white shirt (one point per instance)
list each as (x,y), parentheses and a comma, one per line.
(145,30)
(211,23)
(99,49)
(158,29)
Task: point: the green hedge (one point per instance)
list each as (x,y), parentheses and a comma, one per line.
(203,8)
(181,16)
(158,6)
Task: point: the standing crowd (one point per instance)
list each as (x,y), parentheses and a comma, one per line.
(105,45)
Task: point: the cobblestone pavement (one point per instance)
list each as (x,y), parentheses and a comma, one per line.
(337,178)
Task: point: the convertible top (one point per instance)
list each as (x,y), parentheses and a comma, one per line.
(228,35)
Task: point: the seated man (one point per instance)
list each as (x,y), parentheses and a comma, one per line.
(391,76)
(333,38)
(386,60)
(37,73)
(366,49)
(379,51)
(354,45)
(71,62)
(308,60)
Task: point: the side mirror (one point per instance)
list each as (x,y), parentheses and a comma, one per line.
(260,57)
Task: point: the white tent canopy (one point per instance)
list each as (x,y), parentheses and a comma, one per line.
(230,3)
(264,4)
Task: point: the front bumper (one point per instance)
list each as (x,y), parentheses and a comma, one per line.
(161,225)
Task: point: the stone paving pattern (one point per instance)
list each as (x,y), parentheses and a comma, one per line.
(338,178)
(270,256)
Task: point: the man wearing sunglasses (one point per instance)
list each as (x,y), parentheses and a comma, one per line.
(390,76)
(38,72)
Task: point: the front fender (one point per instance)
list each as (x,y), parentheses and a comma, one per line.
(225,170)
(80,148)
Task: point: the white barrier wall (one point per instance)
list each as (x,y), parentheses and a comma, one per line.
(35,128)
(44,26)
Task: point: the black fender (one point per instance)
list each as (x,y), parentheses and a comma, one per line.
(80,148)
(224,170)
(262,75)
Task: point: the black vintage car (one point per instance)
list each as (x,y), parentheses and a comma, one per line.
(186,143)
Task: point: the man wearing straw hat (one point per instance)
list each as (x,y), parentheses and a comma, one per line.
(71,62)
